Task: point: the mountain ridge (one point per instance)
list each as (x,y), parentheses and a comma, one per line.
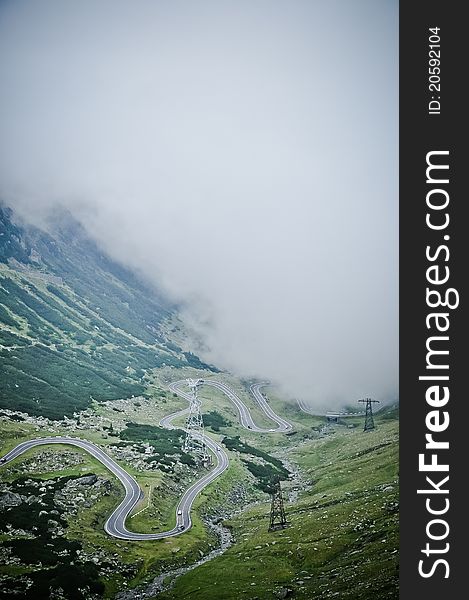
(75,325)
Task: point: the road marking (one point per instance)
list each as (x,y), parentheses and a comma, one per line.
(145,507)
(115,524)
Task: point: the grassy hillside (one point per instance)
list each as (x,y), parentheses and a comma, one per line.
(341,506)
(342,540)
(79,332)
(74,325)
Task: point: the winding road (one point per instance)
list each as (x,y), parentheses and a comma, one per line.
(245,417)
(115,525)
(330,413)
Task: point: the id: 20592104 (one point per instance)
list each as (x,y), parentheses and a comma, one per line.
(434,70)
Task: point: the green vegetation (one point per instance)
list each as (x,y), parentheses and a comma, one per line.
(23,515)
(265,474)
(215,420)
(11,245)
(54,560)
(76,581)
(195,362)
(235,443)
(138,562)
(33,381)
(11,339)
(165,442)
(12,417)
(43,310)
(75,326)
(342,538)
(272,468)
(6,319)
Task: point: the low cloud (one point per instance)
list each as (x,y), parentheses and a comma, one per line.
(242,156)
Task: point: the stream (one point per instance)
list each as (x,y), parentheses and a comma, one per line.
(166,580)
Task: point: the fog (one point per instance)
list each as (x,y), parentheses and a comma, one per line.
(242,155)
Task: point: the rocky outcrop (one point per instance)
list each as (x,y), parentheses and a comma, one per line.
(86,480)
(8,499)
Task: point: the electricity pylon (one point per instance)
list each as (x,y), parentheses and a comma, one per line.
(194,442)
(369,422)
(278,519)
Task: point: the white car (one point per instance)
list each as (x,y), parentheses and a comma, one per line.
(218,448)
(179,512)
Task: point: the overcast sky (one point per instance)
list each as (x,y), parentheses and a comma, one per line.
(242,154)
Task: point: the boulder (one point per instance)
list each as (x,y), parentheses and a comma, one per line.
(9,499)
(86,480)
(283,593)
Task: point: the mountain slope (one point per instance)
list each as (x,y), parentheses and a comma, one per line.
(342,537)
(75,326)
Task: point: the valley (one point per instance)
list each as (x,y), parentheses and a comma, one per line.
(89,352)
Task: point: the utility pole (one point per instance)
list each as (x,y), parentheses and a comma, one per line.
(369,422)
(278,519)
(194,442)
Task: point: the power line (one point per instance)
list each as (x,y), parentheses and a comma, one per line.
(369,422)
(194,442)
(278,519)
